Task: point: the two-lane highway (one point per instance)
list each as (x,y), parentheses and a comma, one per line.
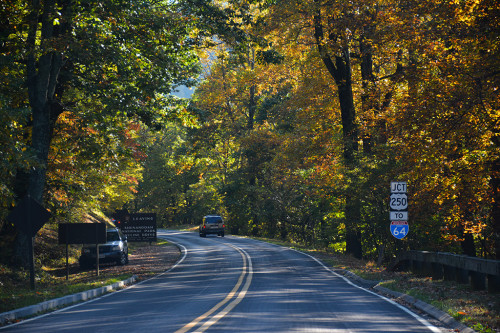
(234,284)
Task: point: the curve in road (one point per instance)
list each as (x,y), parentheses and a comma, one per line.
(235,284)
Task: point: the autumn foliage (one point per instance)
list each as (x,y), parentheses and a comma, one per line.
(422,79)
(303,114)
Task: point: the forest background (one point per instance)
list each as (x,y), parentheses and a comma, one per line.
(303,113)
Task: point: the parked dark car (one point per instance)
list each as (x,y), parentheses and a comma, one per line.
(212,224)
(114,250)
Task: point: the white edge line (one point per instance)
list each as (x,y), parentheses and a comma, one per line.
(416,316)
(425,322)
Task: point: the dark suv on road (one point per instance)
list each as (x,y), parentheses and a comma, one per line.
(114,250)
(212,224)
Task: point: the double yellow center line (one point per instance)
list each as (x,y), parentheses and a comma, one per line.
(210,317)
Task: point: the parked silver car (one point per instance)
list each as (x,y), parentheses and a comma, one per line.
(114,250)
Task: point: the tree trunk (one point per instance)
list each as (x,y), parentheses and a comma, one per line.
(251,108)
(381,253)
(340,70)
(42,75)
(251,101)
(495,186)
(468,246)
(367,99)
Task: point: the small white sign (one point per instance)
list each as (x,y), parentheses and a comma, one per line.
(399,216)
(398,187)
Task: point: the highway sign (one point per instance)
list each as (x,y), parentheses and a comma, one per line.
(29,217)
(399,216)
(399,201)
(399,210)
(399,229)
(398,187)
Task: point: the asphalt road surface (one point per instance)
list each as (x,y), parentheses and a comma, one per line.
(234,284)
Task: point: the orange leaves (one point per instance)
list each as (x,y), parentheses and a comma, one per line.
(132,180)
(132,134)
(61,197)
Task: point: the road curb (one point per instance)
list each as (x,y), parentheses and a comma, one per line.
(360,281)
(427,308)
(432,311)
(12,316)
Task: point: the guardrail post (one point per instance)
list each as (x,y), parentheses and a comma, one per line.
(405,265)
(437,271)
(427,268)
(416,267)
(478,280)
(462,276)
(493,283)
(449,273)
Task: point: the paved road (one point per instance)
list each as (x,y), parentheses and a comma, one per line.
(234,284)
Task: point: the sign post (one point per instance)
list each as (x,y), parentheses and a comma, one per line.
(399,210)
(82,233)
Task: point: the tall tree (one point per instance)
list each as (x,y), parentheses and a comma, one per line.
(108,60)
(450,125)
(339,66)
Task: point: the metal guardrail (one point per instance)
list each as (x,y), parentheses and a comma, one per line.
(480,273)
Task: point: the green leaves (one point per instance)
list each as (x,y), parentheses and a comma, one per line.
(266,139)
(424,101)
(120,61)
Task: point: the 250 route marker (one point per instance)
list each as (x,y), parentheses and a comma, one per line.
(399,201)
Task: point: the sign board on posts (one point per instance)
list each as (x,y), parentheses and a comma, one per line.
(82,233)
(140,227)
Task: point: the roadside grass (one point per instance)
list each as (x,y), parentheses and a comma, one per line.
(15,291)
(185,227)
(478,310)
(135,245)
(50,275)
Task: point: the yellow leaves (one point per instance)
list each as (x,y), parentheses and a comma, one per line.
(466,10)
